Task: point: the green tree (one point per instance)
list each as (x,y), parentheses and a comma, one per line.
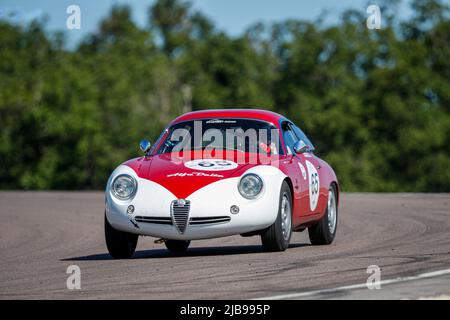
(375,103)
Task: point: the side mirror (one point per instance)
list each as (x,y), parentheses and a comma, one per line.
(300,147)
(145,146)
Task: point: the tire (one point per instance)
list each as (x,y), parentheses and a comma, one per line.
(121,245)
(273,238)
(177,246)
(323,232)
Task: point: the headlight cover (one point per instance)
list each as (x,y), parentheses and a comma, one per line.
(250,186)
(124,187)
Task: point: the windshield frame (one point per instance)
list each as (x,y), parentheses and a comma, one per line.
(168,129)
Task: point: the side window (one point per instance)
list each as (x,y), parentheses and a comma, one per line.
(289,137)
(301,136)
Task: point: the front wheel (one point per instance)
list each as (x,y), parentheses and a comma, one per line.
(325,230)
(278,235)
(121,245)
(177,246)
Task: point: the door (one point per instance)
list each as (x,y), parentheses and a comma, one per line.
(295,168)
(317,191)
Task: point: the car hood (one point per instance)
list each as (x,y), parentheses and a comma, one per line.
(183,175)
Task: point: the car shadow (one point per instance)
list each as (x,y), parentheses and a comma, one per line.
(191,252)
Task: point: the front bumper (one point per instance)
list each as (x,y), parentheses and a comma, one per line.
(214,200)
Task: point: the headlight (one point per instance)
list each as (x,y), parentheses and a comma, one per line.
(124,187)
(250,186)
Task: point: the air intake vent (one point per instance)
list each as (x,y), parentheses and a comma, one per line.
(208,220)
(154,220)
(179,210)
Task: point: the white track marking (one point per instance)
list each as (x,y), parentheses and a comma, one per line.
(438,297)
(356,286)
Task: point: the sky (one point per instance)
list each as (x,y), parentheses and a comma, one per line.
(231,16)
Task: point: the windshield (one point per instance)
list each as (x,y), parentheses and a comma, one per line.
(242,135)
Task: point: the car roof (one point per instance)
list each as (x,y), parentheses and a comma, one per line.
(258,114)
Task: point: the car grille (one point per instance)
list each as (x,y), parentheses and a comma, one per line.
(155,220)
(192,221)
(180,214)
(180,217)
(208,220)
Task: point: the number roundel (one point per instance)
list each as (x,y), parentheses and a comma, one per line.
(211,165)
(314,185)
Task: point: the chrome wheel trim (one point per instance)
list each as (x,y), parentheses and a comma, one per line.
(331,211)
(286,217)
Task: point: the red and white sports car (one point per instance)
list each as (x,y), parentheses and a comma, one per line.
(218,173)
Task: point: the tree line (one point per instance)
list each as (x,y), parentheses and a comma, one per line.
(375,103)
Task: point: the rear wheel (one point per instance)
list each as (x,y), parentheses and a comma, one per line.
(177,246)
(121,245)
(325,230)
(278,235)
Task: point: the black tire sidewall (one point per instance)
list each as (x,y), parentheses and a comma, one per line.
(329,234)
(120,244)
(320,234)
(272,237)
(177,246)
(285,190)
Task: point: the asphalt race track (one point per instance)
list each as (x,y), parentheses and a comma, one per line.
(42,233)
